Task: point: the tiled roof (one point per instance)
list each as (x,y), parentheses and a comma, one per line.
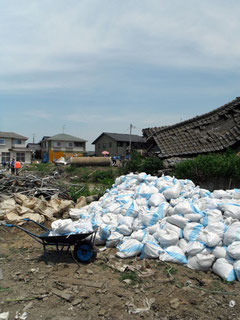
(213,131)
(12,135)
(65,137)
(122,137)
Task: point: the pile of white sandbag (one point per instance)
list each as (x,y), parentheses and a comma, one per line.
(167,219)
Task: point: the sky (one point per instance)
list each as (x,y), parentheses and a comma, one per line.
(84,67)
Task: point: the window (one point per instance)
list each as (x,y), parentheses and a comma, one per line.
(110,144)
(99,145)
(6,156)
(20,156)
(57,144)
(2,141)
(120,144)
(16,141)
(70,144)
(104,145)
(77,144)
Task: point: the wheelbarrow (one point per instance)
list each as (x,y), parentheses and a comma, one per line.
(84,243)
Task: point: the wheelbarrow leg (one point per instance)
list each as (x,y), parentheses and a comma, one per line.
(45,253)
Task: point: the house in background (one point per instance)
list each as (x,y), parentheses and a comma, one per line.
(35,150)
(118,144)
(12,145)
(61,145)
(214,131)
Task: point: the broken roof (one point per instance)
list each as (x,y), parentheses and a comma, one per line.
(12,135)
(122,137)
(212,131)
(65,137)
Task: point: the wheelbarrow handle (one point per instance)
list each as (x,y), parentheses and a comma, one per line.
(9,225)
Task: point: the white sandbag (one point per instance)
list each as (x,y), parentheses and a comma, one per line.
(217,227)
(168,226)
(232,234)
(114,207)
(78,213)
(201,262)
(231,210)
(186,207)
(149,218)
(192,230)
(83,226)
(110,219)
(156,199)
(220,194)
(177,220)
(224,269)
(173,254)
(172,193)
(221,252)
(63,226)
(130,209)
(193,217)
(211,216)
(182,243)
(204,193)
(114,239)
(129,248)
(236,267)
(166,238)
(124,229)
(139,235)
(104,232)
(127,221)
(210,239)
(234,250)
(234,193)
(194,247)
(151,250)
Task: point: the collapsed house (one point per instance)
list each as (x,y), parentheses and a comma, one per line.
(214,131)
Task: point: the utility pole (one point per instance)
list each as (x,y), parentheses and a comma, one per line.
(33,137)
(130,139)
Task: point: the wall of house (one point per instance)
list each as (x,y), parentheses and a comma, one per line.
(9,143)
(105,143)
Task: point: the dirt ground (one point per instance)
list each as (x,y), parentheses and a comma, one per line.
(108,288)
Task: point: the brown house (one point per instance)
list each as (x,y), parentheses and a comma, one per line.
(214,131)
(118,144)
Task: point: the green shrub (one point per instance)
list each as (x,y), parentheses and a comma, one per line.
(207,166)
(151,165)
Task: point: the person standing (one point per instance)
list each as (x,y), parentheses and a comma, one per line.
(4,164)
(17,167)
(12,166)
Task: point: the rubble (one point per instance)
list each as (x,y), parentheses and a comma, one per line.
(31,186)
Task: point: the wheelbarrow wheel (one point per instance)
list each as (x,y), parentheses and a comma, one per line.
(84,252)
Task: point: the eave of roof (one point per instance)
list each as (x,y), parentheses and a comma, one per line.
(12,135)
(121,137)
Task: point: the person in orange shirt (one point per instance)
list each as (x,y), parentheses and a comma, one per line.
(17,167)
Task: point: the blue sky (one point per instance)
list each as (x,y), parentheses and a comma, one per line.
(91,66)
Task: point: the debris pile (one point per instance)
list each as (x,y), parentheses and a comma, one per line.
(32,186)
(170,220)
(15,209)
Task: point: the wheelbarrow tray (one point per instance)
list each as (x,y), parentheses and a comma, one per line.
(68,239)
(84,243)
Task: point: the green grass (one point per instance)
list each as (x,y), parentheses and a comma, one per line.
(131,275)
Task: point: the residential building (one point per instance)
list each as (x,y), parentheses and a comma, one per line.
(61,145)
(214,131)
(118,144)
(12,145)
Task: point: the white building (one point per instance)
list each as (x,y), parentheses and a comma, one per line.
(12,145)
